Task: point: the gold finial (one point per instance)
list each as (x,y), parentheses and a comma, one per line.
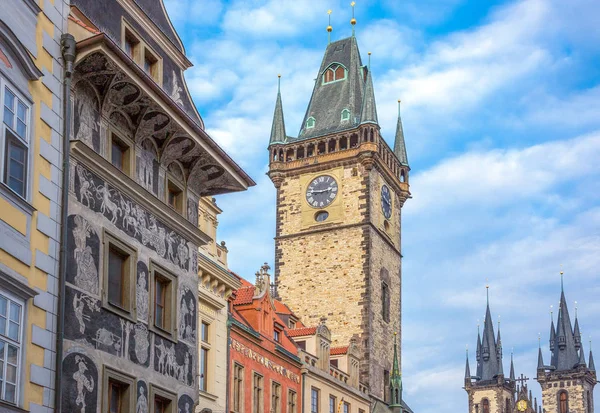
(395,333)
(562,287)
(329,28)
(353,20)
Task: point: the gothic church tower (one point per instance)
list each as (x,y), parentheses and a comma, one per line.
(489,391)
(568,382)
(340,190)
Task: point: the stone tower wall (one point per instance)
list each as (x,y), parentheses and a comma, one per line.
(577,395)
(496,396)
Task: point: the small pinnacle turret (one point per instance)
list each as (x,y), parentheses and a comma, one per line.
(399,144)
(512,369)
(369,110)
(581,356)
(592,366)
(540,364)
(278,128)
(396,379)
(467,369)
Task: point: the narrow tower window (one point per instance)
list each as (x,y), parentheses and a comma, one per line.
(486,405)
(563,402)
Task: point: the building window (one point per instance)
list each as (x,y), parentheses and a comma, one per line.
(386,385)
(15,132)
(276,334)
(310,123)
(163,287)
(334,73)
(345,114)
(174,196)
(238,387)
(485,403)
(162,401)
(508,409)
(361,411)
(150,64)
(204,353)
(120,260)
(563,402)
(291,401)
(346,407)
(314,400)
(385,302)
(131,44)
(332,403)
(275,397)
(11,313)
(257,394)
(141,53)
(334,363)
(291,324)
(301,344)
(119,392)
(120,153)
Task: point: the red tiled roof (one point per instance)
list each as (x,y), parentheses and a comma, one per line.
(304,331)
(244,295)
(336,351)
(282,308)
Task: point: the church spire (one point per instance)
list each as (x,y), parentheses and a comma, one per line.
(512,368)
(499,351)
(565,355)
(552,331)
(467,369)
(399,145)
(592,366)
(396,378)
(489,351)
(581,357)
(278,128)
(369,110)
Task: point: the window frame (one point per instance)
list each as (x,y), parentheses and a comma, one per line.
(485,405)
(155,270)
(171,179)
(164,394)
(332,408)
(559,404)
(276,397)
(345,111)
(110,374)
(333,67)
(309,124)
(206,346)
(292,401)
(129,311)
(314,391)
(141,49)
(128,154)
(25,140)
(19,344)
(238,385)
(258,405)
(346,407)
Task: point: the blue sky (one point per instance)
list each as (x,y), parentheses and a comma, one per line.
(501,112)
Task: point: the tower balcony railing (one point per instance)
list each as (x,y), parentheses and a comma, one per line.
(296,154)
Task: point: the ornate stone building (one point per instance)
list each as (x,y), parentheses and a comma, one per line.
(31,95)
(568,381)
(140,162)
(216,284)
(340,191)
(489,391)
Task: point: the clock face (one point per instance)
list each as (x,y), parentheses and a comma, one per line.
(386,202)
(522,405)
(321,191)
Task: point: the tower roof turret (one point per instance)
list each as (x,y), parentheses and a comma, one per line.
(592,366)
(368,112)
(490,361)
(399,144)
(512,368)
(396,378)
(552,332)
(278,128)
(467,368)
(565,355)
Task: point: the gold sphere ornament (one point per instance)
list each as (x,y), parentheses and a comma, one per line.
(329,29)
(353,21)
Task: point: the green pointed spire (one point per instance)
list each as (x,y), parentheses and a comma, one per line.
(396,378)
(278,128)
(399,145)
(368,113)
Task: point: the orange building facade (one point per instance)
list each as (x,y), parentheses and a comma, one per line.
(265,372)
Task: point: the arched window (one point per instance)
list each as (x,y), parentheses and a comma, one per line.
(310,123)
(402,176)
(334,73)
(345,114)
(485,403)
(563,403)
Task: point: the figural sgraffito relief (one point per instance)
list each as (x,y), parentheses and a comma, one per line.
(80,377)
(192,211)
(86,264)
(147,167)
(185,404)
(177,90)
(94,193)
(141,291)
(142,398)
(187,314)
(88,324)
(175,360)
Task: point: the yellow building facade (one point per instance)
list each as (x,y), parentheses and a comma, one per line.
(30,163)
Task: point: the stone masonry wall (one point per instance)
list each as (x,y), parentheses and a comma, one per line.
(577,395)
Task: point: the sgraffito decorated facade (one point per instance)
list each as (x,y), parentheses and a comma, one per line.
(140,163)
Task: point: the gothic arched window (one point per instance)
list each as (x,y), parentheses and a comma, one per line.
(346,114)
(485,406)
(563,403)
(333,73)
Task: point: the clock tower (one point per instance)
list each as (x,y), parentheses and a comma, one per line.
(340,192)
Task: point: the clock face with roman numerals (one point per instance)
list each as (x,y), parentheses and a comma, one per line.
(321,191)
